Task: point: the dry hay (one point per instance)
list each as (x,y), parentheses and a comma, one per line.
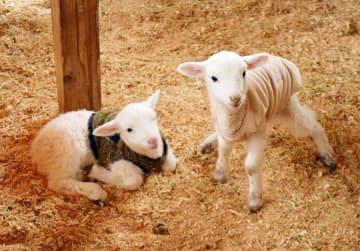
(141,44)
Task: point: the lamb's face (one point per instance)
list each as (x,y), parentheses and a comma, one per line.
(225,75)
(139,130)
(138,127)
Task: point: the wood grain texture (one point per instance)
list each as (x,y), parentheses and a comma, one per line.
(76,42)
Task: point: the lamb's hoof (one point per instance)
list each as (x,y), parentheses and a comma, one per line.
(255,209)
(206,148)
(100,203)
(169,168)
(161,229)
(255,202)
(219,177)
(327,161)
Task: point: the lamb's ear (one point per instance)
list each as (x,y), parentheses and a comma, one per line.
(192,69)
(255,60)
(107,129)
(153,99)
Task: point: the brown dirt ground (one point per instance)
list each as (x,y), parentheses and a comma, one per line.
(142,42)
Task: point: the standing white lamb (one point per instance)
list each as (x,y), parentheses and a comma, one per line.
(114,148)
(247,94)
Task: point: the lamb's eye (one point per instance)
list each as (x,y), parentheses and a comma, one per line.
(244,74)
(214,79)
(129,130)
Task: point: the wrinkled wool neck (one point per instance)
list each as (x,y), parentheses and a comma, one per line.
(228,123)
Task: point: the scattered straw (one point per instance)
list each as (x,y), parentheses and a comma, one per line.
(142,42)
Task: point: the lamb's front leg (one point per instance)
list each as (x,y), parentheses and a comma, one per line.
(222,164)
(170,161)
(122,173)
(256,144)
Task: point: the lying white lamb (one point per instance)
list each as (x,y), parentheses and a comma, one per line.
(120,151)
(246,95)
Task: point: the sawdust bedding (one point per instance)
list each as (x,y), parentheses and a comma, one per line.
(142,42)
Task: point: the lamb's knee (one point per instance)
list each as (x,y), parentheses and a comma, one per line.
(317,131)
(253,163)
(132,182)
(220,176)
(55,185)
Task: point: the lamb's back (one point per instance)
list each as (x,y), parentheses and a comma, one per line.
(271,86)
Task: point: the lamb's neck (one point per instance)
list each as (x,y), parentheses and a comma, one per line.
(228,122)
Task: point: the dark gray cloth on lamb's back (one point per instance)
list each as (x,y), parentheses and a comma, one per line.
(109,149)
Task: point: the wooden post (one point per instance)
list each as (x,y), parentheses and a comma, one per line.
(77,54)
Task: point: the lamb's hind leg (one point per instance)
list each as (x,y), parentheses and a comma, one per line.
(209,144)
(61,162)
(71,186)
(302,122)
